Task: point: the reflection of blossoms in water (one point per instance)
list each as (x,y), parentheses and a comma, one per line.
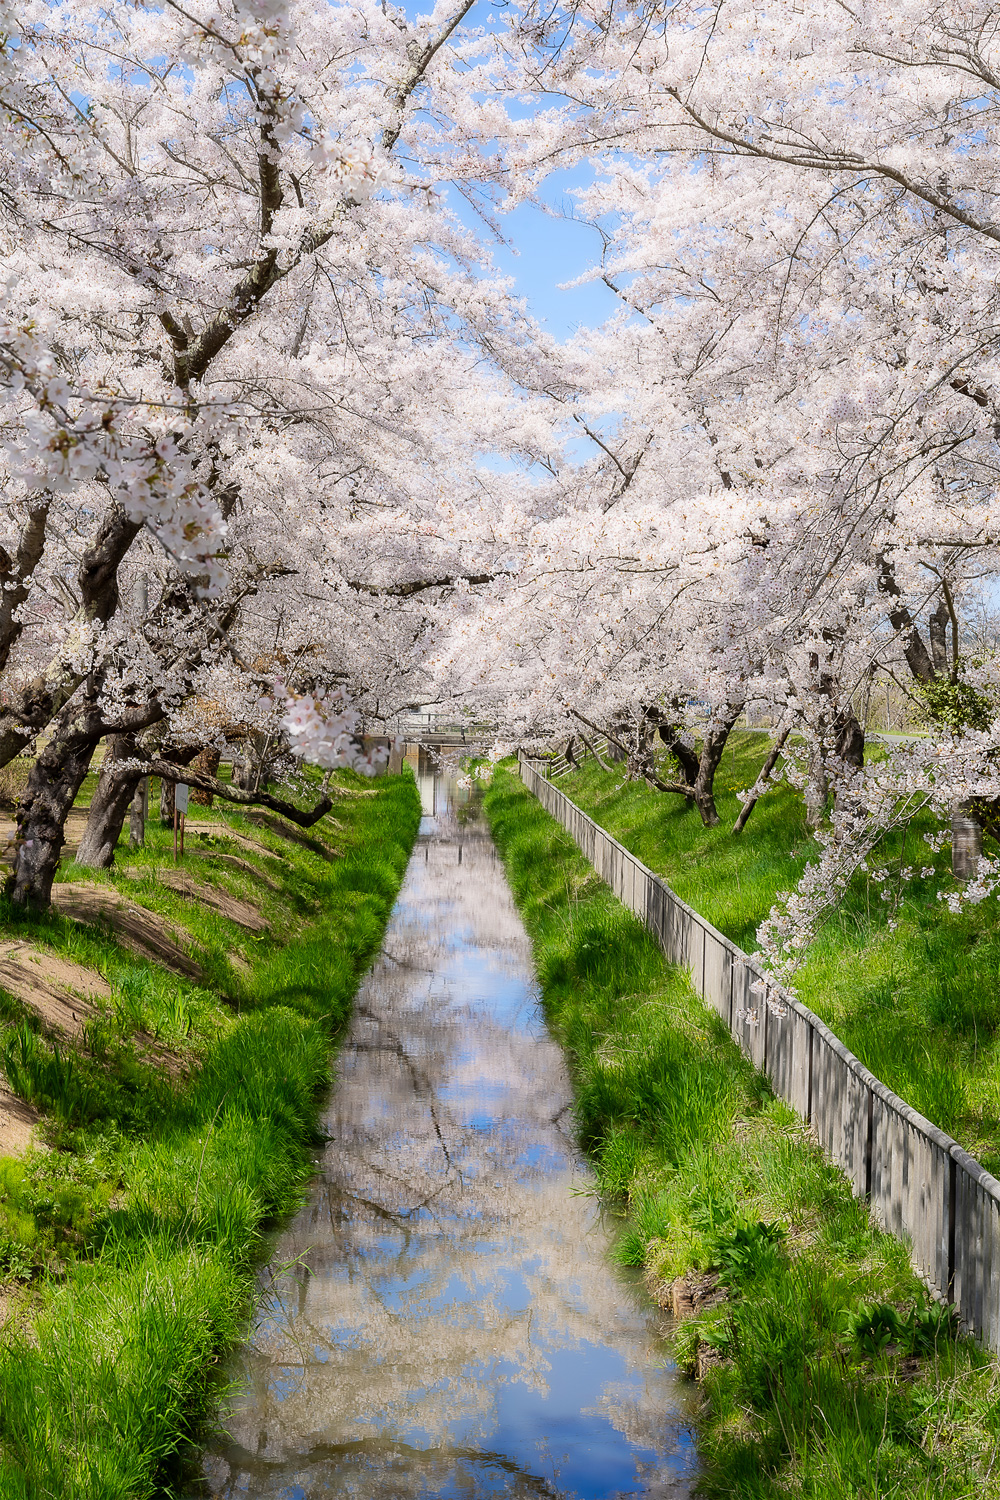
(453,1303)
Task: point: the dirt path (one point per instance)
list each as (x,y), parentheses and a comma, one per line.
(245,868)
(295,835)
(222,830)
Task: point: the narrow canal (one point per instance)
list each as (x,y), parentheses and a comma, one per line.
(442,1318)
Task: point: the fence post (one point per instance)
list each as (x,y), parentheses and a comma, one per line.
(732,990)
(869,1142)
(952,1205)
(809,1086)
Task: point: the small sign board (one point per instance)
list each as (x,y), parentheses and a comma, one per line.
(181,797)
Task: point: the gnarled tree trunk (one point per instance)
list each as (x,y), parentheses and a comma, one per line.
(35,705)
(709,760)
(206,760)
(110,803)
(816,787)
(685,757)
(53,783)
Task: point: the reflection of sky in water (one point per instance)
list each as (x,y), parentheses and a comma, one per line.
(450,1325)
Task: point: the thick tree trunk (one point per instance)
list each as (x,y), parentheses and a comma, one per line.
(937,631)
(685,757)
(36,705)
(53,783)
(849,739)
(709,760)
(115,791)
(849,748)
(817,786)
(137,815)
(167,804)
(206,760)
(966,843)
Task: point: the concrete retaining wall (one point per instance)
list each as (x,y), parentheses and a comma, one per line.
(921,1185)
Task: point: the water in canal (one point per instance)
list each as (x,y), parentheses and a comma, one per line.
(442,1319)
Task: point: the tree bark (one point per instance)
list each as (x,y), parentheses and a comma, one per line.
(685,757)
(206,760)
(15,575)
(53,783)
(709,760)
(817,786)
(597,755)
(36,705)
(849,739)
(918,658)
(115,791)
(137,816)
(766,769)
(243,772)
(171,771)
(938,632)
(180,755)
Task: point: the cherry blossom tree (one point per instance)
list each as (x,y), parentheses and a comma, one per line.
(241,321)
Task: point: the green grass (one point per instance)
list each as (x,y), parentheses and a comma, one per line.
(134,1241)
(920,1004)
(834,1374)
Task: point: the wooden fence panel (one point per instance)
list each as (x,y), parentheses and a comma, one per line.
(976,1284)
(718,984)
(788,1044)
(657,902)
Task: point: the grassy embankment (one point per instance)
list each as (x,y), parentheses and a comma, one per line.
(828,1371)
(920,1004)
(177,1129)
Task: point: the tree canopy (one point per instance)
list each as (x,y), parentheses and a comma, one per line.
(282,453)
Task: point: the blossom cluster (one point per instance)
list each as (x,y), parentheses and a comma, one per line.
(324,731)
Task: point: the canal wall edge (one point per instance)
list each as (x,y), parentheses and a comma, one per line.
(921,1185)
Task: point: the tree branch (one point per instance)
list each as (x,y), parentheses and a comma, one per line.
(816,160)
(407,590)
(15,575)
(168,771)
(766,769)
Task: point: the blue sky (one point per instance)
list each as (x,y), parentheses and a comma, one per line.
(547,249)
